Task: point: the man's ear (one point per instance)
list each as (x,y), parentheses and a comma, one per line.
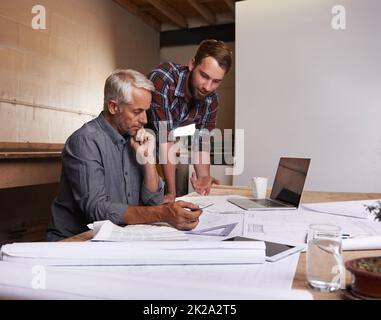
(112,107)
(191,64)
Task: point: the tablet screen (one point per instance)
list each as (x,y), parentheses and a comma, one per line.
(272,248)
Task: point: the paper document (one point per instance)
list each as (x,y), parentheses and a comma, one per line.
(356,209)
(221,231)
(291,227)
(216,225)
(84,283)
(108,231)
(135,253)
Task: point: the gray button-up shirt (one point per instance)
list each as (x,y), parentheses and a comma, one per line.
(100,178)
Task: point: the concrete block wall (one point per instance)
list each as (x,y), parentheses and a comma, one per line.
(64,66)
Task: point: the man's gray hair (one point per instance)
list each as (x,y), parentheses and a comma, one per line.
(119,85)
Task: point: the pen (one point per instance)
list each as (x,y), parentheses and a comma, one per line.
(201,207)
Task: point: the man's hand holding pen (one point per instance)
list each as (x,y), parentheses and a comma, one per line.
(182,215)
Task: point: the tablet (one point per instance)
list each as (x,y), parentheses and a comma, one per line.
(274,250)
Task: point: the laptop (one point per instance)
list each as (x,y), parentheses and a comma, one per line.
(287,188)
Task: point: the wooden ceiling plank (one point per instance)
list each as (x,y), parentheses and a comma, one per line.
(230,4)
(133,9)
(169,12)
(204,12)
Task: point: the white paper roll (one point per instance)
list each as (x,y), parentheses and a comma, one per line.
(362,243)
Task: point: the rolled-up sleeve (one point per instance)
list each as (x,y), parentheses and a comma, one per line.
(86,176)
(153,198)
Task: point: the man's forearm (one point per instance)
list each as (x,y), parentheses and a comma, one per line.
(202,165)
(169,171)
(177,214)
(151,178)
(169,168)
(144,215)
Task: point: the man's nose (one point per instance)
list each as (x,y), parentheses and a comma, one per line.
(143,118)
(208,85)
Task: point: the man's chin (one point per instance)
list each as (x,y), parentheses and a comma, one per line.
(199,97)
(133,131)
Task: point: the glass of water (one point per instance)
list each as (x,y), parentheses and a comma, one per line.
(325,269)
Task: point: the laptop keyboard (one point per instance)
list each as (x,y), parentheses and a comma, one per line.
(260,203)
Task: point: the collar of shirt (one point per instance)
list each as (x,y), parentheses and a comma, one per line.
(114,135)
(182,82)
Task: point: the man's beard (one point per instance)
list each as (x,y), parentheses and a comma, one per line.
(122,128)
(192,89)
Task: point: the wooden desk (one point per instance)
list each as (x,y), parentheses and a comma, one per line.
(300,281)
(308,197)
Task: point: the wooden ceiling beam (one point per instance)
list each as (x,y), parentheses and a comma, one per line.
(145,7)
(204,12)
(230,4)
(183,37)
(133,9)
(170,13)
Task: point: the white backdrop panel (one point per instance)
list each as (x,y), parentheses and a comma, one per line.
(307,90)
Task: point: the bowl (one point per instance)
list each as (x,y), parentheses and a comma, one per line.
(366,276)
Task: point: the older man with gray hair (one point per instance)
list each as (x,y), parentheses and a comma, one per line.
(109,170)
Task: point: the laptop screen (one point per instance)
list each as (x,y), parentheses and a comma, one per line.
(289,180)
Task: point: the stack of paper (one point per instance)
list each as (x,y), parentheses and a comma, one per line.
(108,231)
(136,253)
(20,281)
